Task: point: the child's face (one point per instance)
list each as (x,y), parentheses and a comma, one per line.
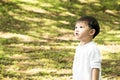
(82,31)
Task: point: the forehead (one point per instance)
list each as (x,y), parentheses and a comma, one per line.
(81,23)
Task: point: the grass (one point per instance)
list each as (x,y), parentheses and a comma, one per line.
(37,41)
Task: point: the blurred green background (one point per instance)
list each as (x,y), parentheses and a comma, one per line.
(37,41)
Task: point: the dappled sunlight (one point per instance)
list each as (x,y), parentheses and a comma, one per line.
(12,13)
(47,63)
(110,48)
(114,32)
(57,47)
(32,19)
(45,4)
(87,1)
(113,37)
(24,18)
(78,6)
(38,70)
(118,36)
(112,12)
(28,48)
(61,8)
(34,9)
(83,1)
(67,14)
(66,37)
(64,22)
(46,60)
(116,22)
(64,74)
(48,21)
(8,35)
(111,78)
(58,33)
(17,16)
(37,37)
(35,33)
(12,68)
(28,63)
(18,57)
(65,34)
(32,71)
(64,71)
(30,1)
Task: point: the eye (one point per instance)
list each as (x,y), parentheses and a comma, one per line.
(80,26)
(75,27)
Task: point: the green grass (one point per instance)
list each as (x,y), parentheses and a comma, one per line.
(37,41)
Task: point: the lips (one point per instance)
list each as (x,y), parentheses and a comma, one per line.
(76,34)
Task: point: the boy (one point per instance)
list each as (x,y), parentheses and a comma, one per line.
(87,59)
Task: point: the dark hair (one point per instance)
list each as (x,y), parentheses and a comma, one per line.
(92,23)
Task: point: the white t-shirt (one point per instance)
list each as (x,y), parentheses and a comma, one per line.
(86,57)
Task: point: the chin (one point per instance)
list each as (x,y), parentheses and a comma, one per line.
(78,38)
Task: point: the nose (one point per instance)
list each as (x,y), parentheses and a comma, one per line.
(76,29)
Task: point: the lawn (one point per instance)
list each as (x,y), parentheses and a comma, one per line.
(37,41)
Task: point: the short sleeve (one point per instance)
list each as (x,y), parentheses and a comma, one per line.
(95,58)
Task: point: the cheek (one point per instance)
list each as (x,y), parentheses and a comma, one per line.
(85,33)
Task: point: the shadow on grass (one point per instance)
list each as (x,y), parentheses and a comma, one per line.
(21,61)
(18,19)
(110,67)
(53,54)
(77,9)
(8,22)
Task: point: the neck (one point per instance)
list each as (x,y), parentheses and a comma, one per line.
(83,42)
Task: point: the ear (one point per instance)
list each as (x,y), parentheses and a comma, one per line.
(92,32)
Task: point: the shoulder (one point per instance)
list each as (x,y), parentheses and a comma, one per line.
(93,46)
(93,49)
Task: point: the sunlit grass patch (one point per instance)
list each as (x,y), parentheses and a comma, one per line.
(111,37)
(110,62)
(29,1)
(34,9)
(37,40)
(38,64)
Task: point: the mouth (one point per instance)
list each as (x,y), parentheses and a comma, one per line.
(76,34)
